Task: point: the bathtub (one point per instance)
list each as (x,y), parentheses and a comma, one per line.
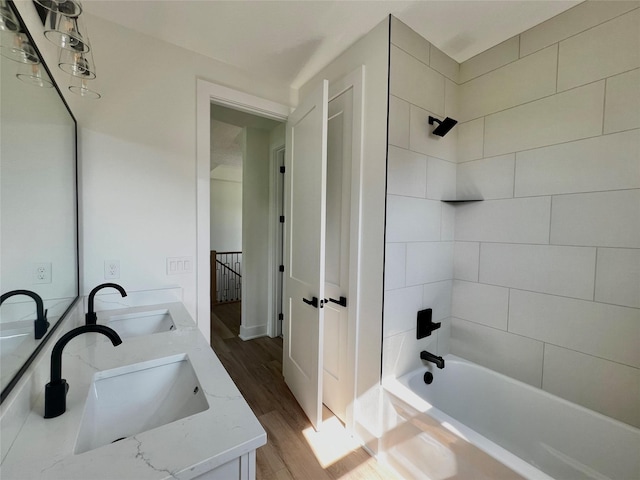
(534,434)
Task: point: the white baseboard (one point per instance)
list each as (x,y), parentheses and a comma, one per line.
(248,333)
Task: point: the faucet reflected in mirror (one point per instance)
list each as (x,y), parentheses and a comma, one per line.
(41,325)
(91,318)
(55,392)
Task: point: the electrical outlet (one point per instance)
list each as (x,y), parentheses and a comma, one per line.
(111,269)
(42,272)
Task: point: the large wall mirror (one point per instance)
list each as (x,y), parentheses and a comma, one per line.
(38,199)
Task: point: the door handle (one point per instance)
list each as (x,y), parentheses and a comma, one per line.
(313,302)
(342,302)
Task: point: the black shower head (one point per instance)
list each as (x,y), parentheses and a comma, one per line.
(444,125)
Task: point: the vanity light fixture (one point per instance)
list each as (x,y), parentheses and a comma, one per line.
(8,21)
(32,74)
(64,32)
(79,87)
(16,46)
(70,8)
(77,64)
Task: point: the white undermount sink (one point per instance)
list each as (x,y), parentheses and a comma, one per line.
(129,400)
(141,323)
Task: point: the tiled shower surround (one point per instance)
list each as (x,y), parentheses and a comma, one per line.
(541,280)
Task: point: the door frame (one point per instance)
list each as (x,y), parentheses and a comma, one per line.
(276,239)
(207,93)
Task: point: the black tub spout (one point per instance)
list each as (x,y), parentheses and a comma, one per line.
(430,357)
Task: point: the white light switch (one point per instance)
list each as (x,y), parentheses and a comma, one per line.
(179,265)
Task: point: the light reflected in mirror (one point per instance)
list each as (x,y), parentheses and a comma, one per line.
(38,214)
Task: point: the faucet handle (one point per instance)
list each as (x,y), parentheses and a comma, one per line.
(55,398)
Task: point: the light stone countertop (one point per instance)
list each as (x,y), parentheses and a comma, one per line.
(183,449)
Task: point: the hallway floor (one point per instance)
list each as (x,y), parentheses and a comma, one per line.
(256,368)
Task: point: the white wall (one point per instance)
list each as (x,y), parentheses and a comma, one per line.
(226,216)
(421,172)
(372,52)
(137,153)
(548,266)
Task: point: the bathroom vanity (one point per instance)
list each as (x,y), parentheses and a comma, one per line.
(159,405)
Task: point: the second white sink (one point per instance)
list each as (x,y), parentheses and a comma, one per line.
(141,323)
(128,400)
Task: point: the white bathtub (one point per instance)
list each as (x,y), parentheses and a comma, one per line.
(525,428)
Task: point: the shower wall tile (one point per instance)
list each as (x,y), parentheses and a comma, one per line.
(489,60)
(444,64)
(441,179)
(622,106)
(444,337)
(606,331)
(398,122)
(412,219)
(422,140)
(466,261)
(415,82)
(569,23)
(602,219)
(490,178)
(401,352)
(591,381)
(525,80)
(437,296)
(408,40)
(400,309)
(521,220)
(451,99)
(600,52)
(513,355)
(567,271)
(618,277)
(406,173)
(448,223)
(560,118)
(479,303)
(429,262)
(607,162)
(470,140)
(395,259)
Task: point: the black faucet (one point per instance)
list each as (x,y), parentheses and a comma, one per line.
(40,324)
(430,357)
(91,318)
(55,392)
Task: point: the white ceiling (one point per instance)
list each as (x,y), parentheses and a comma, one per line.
(290,41)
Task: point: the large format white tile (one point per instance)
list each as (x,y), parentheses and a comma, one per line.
(395,259)
(422,140)
(466,261)
(492,59)
(559,118)
(479,303)
(437,296)
(490,178)
(406,173)
(618,276)
(567,271)
(517,220)
(412,219)
(448,223)
(607,162)
(401,308)
(441,179)
(441,62)
(606,331)
(429,262)
(401,352)
(600,52)
(470,140)
(408,40)
(515,356)
(451,99)
(606,387)
(398,122)
(415,82)
(622,103)
(527,79)
(602,219)
(573,21)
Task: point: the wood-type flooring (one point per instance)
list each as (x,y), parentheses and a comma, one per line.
(256,368)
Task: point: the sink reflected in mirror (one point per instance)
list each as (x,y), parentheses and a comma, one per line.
(129,400)
(141,323)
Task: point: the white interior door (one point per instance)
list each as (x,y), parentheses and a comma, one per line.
(305,190)
(336,313)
